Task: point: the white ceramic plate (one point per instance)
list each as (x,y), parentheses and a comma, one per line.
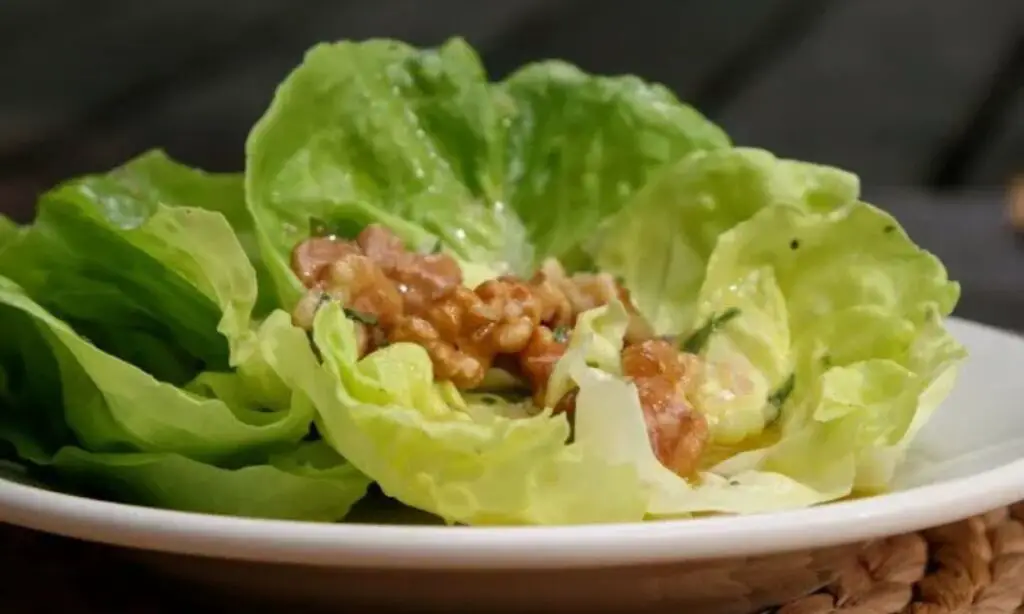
(968,460)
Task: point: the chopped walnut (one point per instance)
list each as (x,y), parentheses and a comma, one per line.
(564,297)
(538,359)
(382,246)
(655,358)
(677,432)
(462,368)
(499,317)
(555,308)
(509,312)
(311,258)
(421,278)
(424,279)
(361,285)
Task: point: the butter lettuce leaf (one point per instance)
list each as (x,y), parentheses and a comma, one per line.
(827,352)
(310,482)
(579,146)
(307,482)
(427,447)
(143,252)
(111,405)
(679,215)
(159,178)
(419,140)
(381,132)
(596,341)
(845,315)
(747,359)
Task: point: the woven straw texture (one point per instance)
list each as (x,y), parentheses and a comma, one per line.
(970,567)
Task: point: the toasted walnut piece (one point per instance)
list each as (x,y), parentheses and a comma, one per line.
(463,369)
(311,258)
(423,279)
(555,308)
(448,316)
(538,359)
(497,318)
(563,298)
(654,358)
(592,290)
(361,285)
(677,432)
(413,329)
(693,439)
(512,311)
(382,246)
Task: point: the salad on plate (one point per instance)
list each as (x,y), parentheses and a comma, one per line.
(559,298)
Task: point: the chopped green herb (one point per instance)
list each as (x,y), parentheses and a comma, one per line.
(437,248)
(889,228)
(794,244)
(826,361)
(561,334)
(363,318)
(699,338)
(777,398)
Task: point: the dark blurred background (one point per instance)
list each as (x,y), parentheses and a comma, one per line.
(923,98)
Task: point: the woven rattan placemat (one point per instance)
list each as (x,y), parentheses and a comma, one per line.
(970,567)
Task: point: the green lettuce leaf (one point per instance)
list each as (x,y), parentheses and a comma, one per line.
(843,313)
(746,359)
(418,140)
(680,214)
(112,406)
(579,145)
(380,132)
(159,178)
(310,482)
(425,446)
(834,355)
(596,341)
(142,251)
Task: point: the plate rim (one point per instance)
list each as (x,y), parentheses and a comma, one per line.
(583,546)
